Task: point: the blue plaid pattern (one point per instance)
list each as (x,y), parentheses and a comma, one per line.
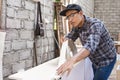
(95,37)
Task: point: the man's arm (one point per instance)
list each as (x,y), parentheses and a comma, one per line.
(82,54)
(68,65)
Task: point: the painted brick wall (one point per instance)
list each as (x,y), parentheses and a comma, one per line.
(87,6)
(109,12)
(18,19)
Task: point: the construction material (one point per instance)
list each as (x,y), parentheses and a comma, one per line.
(2,40)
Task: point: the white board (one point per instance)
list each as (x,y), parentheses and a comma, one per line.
(83,69)
(2,40)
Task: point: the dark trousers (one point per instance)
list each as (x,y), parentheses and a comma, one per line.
(103,73)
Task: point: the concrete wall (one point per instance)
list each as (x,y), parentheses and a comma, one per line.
(109,12)
(18,18)
(87,6)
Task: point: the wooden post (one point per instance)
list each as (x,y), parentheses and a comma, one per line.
(0,11)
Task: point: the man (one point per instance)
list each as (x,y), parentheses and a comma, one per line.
(96,41)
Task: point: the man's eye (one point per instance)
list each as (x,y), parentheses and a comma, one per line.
(72,15)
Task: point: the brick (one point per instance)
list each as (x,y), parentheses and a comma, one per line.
(46,10)
(49,34)
(22,14)
(30,44)
(10,58)
(28,63)
(18,44)
(16,3)
(24,34)
(16,67)
(45,41)
(12,34)
(44,57)
(6,78)
(32,16)
(29,25)
(39,51)
(25,54)
(29,5)
(7,46)
(13,23)
(10,12)
(6,70)
(51,55)
(49,26)
(39,43)
(39,60)
(15,57)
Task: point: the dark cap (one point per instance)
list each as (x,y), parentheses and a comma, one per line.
(70,7)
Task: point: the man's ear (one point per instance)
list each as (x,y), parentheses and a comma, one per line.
(81,12)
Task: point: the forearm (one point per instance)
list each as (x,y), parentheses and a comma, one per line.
(83,53)
(69,64)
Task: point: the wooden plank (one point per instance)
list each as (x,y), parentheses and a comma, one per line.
(0,11)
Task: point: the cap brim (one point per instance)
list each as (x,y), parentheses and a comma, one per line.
(63,13)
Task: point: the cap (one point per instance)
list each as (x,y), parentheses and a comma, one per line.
(70,7)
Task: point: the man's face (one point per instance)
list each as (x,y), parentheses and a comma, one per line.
(74,18)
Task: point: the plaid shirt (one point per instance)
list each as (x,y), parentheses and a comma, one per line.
(95,38)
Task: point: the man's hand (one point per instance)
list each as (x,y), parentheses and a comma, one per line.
(67,66)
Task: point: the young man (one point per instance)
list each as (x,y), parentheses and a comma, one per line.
(96,41)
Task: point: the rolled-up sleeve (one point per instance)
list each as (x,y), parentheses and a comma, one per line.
(94,37)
